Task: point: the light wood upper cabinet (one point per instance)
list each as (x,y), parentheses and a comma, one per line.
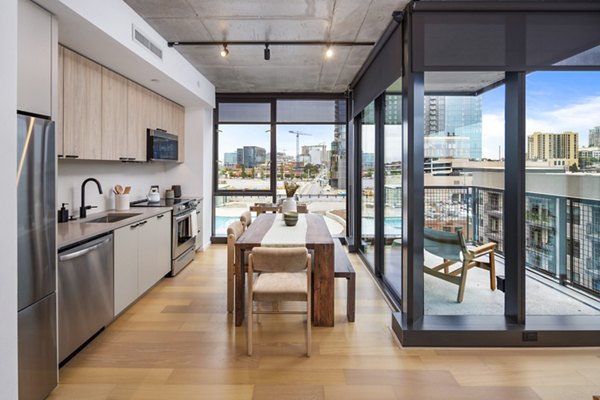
(59,117)
(136,121)
(82,113)
(114,116)
(165,111)
(104,116)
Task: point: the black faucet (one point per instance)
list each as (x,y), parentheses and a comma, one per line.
(83,208)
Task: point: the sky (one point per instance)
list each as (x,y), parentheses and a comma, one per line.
(556,102)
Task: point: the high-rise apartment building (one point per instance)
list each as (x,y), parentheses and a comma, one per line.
(556,148)
(455,116)
(594,139)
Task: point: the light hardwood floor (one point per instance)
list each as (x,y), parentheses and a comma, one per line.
(178,342)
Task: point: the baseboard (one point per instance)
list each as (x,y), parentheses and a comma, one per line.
(497,331)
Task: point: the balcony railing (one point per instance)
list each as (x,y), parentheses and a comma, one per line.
(550,235)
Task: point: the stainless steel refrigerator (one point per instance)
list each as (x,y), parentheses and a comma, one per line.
(36,174)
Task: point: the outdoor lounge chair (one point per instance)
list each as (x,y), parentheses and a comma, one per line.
(451,247)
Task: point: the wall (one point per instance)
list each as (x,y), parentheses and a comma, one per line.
(8,201)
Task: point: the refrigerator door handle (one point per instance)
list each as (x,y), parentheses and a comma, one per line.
(82,252)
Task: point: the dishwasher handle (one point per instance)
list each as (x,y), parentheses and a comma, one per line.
(84,251)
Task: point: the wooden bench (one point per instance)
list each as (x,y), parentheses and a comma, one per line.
(344,269)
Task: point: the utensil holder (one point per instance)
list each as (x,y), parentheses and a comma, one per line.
(121,202)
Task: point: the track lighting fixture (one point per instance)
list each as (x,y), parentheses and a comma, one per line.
(267,52)
(329,52)
(224,52)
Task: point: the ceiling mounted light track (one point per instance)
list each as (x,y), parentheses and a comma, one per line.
(224,52)
(276,43)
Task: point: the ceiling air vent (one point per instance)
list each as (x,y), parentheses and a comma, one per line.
(139,37)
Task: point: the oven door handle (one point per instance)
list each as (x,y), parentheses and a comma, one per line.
(182,217)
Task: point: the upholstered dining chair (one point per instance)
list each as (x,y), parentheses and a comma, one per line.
(234,230)
(284,274)
(246,219)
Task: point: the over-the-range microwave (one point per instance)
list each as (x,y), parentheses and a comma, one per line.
(161,146)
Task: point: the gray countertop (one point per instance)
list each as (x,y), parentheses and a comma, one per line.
(71,232)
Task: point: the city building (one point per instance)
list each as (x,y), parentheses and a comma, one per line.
(558,149)
(251,156)
(455,116)
(317,154)
(594,138)
(230,159)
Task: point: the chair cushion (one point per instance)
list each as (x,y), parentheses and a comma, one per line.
(279,259)
(272,286)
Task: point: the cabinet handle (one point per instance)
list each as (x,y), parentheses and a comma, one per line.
(131,159)
(160,216)
(60,156)
(122,158)
(143,223)
(71,156)
(133,226)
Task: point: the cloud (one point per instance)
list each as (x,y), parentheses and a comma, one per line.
(579,117)
(492,140)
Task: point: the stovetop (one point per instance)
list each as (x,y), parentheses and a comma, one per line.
(179,205)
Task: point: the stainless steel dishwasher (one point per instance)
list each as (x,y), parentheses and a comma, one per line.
(85,292)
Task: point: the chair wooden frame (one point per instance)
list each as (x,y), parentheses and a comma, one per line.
(452,248)
(234,230)
(250,301)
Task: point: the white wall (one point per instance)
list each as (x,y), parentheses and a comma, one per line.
(207,173)
(8,201)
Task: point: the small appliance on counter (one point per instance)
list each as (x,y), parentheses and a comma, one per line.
(169,194)
(177,191)
(153,195)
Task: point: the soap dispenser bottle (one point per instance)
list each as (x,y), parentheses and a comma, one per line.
(63,213)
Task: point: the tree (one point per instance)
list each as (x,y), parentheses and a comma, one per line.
(243,171)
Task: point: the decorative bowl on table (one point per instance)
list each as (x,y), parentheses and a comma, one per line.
(290,218)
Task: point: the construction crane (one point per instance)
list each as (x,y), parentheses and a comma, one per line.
(298,133)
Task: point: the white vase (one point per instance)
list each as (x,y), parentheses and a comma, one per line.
(288,205)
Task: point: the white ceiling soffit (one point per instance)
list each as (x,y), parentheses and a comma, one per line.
(460,82)
(291,68)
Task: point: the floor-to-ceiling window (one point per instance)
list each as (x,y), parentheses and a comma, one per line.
(464,190)
(260,143)
(563,193)
(367,183)
(392,153)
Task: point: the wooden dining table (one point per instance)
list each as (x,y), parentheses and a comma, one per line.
(318,241)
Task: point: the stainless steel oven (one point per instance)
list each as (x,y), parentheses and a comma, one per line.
(183,236)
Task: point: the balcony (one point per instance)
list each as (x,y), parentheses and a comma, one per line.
(559,282)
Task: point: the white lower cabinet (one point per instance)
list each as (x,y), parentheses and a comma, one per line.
(142,257)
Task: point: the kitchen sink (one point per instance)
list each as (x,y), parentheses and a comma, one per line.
(108,218)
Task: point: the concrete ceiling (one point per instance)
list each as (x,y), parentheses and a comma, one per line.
(291,68)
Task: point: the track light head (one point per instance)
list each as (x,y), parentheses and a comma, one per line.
(329,52)
(267,52)
(224,52)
